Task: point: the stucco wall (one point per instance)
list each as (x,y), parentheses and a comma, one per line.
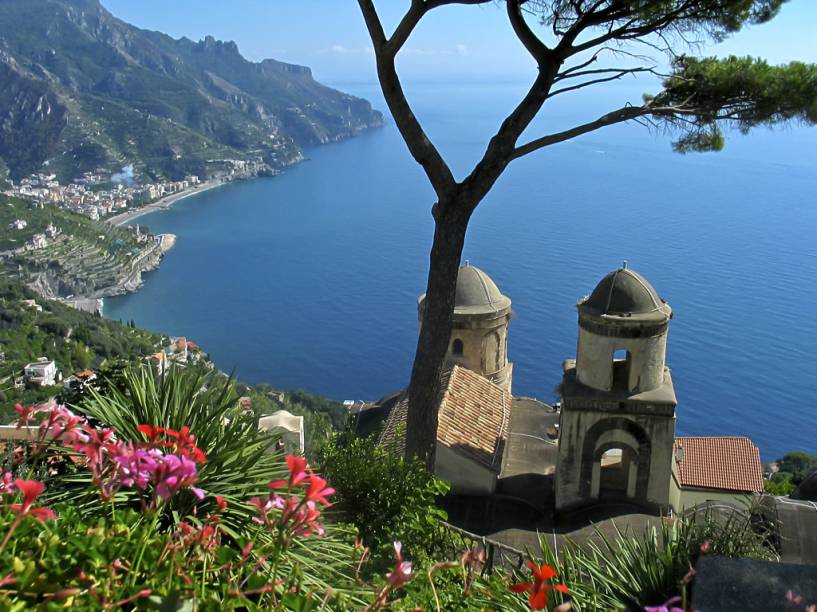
(466,477)
(594,360)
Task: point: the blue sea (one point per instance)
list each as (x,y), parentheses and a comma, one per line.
(309,280)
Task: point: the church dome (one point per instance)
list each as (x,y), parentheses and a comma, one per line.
(625,293)
(477,293)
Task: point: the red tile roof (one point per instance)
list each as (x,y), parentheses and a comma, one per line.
(720,462)
(472,420)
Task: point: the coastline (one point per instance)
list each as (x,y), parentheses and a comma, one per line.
(163,203)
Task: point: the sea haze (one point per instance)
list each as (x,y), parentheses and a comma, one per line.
(310,279)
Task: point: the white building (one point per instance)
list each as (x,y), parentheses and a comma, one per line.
(19,224)
(42,372)
(38,241)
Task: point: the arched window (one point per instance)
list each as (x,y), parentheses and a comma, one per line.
(622,361)
(457,347)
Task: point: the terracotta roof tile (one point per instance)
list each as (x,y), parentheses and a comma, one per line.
(473,418)
(719,462)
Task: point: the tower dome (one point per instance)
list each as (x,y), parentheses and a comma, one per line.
(624,293)
(623,328)
(477,293)
(479,338)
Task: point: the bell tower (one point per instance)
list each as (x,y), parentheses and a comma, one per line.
(617,425)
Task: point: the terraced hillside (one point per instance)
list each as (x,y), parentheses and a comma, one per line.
(85,258)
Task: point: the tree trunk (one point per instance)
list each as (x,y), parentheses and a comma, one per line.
(435,331)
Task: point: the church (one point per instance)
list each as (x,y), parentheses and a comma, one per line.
(611,436)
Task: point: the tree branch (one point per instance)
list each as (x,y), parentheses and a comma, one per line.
(617,116)
(420,146)
(538,50)
(617,74)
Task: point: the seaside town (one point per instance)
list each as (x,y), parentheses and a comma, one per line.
(104,195)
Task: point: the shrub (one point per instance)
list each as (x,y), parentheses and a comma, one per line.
(387,498)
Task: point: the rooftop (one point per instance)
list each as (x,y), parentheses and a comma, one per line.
(719,462)
(472,419)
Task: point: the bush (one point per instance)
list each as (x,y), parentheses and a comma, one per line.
(387,498)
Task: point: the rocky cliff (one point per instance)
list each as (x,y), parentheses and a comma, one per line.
(80,89)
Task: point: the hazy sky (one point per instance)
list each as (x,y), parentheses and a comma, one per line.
(452,42)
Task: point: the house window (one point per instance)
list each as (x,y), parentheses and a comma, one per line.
(456,348)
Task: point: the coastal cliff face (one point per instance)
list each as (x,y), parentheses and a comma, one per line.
(84,89)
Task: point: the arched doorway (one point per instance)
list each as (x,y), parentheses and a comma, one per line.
(618,472)
(623,448)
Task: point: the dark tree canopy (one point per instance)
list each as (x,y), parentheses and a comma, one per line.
(579,44)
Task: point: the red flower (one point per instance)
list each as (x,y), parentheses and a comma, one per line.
(31,490)
(24,414)
(151,432)
(297,467)
(318,491)
(186,444)
(221,503)
(538,599)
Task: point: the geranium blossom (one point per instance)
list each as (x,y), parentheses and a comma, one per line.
(185,444)
(318,491)
(24,414)
(539,588)
(7,484)
(402,569)
(31,490)
(299,513)
(174,473)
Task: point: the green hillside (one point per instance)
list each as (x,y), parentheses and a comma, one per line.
(74,340)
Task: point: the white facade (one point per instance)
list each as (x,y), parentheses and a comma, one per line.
(42,372)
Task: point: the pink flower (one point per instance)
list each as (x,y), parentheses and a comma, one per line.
(402,569)
(137,466)
(668,606)
(7,485)
(66,425)
(172,474)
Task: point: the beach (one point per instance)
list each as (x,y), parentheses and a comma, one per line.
(163,203)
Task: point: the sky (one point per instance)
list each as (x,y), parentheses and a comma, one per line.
(465,43)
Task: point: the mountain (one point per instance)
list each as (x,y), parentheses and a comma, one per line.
(81,89)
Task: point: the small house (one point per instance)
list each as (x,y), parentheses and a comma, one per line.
(42,372)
